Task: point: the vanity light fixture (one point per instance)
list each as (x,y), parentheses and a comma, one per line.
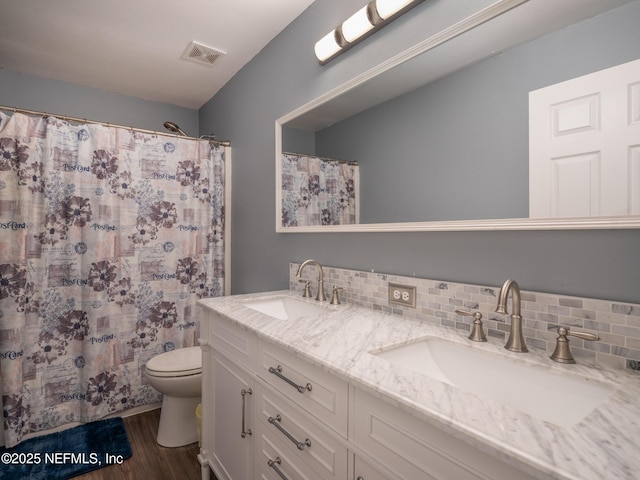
(369,19)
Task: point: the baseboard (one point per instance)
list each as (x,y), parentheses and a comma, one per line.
(136,410)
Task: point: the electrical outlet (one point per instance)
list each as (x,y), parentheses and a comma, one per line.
(402,295)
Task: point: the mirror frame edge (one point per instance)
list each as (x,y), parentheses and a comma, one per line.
(520,224)
(563,223)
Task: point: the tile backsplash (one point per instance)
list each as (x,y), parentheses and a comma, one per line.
(617,324)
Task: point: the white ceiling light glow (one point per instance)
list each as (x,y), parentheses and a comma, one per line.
(357,27)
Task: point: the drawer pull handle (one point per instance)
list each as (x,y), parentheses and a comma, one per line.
(275,422)
(277,372)
(274,464)
(244,393)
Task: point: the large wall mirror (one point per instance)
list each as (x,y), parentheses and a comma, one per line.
(441,131)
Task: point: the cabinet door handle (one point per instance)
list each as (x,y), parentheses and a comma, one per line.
(274,464)
(277,372)
(244,394)
(275,422)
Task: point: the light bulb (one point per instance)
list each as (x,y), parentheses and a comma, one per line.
(327,46)
(356,25)
(387,8)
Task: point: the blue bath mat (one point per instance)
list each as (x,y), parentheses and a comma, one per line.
(66,454)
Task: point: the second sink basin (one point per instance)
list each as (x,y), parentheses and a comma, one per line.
(563,399)
(286,308)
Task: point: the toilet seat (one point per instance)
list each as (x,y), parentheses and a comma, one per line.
(181,362)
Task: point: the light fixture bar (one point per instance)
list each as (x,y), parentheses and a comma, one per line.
(366,21)
(387,8)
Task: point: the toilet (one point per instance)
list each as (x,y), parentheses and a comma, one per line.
(177,374)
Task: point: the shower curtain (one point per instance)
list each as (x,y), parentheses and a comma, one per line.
(108,237)
(318,191)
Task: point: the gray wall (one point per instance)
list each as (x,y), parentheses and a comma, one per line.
(458,148)
(297,141)
(283,76)
(24,91)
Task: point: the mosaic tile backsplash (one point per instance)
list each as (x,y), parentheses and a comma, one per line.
(617,324)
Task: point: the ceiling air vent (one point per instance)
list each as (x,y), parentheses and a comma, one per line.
(200,53)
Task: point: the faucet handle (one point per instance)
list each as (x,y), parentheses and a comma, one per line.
(562,353)
(335,298)
(307,288)
(477,332)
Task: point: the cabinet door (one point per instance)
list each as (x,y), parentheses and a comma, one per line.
(364,471)
(233,416)
(584,155)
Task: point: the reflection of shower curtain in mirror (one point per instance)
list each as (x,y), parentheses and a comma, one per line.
(108,237)
(318,191)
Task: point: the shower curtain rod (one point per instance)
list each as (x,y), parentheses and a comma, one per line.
(224,143)
(324,159)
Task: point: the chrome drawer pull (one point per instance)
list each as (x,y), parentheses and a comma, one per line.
(277,372)
(244,393)
(275,422)
(274,464)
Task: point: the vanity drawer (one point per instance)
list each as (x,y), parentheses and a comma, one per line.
(234,342)
(416,450)
(271,453)
(320,393)
(320,450)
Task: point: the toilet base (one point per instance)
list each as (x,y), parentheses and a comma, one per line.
(178,425)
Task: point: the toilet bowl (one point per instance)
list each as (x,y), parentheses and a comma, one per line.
(177,374)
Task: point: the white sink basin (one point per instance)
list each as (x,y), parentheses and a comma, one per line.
(286,308)
(560,398)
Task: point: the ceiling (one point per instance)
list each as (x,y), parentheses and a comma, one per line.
(134,47)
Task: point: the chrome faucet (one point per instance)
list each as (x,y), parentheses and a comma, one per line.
(320,296)
(515,343)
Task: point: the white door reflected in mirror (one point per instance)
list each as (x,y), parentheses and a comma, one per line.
(584,145)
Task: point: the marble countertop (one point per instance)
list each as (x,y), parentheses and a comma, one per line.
(602,445)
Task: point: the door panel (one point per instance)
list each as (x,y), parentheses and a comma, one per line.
(584,136)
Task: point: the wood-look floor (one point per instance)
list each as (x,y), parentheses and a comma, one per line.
(150,461)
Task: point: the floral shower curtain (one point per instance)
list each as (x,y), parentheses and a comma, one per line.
(108,237)
(317,191)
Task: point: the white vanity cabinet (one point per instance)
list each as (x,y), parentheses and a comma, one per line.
(364,471)
(233,420)
(301,434)
(291,430)
(416,450)
(323,395)
(276,461)
(228,399)
(303,409)
(302,422)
